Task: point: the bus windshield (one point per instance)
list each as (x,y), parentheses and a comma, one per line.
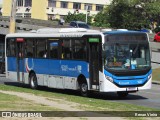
(126,56)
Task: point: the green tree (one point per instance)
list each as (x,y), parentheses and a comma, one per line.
(77,17)
(101,20)
(129,14)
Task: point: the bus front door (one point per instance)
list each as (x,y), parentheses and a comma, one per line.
(94,63)
(20,59)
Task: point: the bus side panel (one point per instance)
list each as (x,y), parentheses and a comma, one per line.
(11,68)
(70,83)
(73,68)
(66,72)
(51,73)
(39,66)
(11,64)
(58,73)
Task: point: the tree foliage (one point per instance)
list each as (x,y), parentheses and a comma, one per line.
(77,17)
(129,14)
(101,20)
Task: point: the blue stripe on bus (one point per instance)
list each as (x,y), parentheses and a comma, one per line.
(128,80)
(68,68)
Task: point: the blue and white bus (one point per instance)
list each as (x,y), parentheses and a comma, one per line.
(80,59)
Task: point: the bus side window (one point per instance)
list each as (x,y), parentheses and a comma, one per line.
(41,48)
(67,53)
(11,49)
(29,48)
(79,51)
(54,53)
(66,49)
(53,50)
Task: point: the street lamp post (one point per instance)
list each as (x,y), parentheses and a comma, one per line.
(12,17)
(86,13)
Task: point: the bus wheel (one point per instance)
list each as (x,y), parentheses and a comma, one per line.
(122,94)
(84,89)
(33,81)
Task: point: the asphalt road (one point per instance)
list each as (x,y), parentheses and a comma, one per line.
(149,98)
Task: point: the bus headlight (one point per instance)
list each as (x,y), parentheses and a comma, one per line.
(109,78)
(149,76)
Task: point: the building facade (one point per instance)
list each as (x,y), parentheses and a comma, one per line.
(53,9)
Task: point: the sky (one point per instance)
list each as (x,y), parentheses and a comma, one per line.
(1,1)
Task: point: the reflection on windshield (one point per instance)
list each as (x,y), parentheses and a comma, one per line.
(126,56)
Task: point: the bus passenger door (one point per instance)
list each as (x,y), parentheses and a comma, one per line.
(94,55)
(20,59)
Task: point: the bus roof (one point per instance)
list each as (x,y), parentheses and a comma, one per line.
(123,32)
(64,30)
(55,32)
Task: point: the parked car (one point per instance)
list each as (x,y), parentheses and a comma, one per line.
(79,24)
(157,37)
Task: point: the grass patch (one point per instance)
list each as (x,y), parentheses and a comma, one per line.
(86,103)
(11,102)
(156,74)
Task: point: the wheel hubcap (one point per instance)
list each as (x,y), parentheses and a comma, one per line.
(33,82)
(84,87)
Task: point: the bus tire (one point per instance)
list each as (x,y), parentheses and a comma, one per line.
(84,89)
(122,94)
(33,81)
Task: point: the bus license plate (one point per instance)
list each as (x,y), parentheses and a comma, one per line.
(131,89)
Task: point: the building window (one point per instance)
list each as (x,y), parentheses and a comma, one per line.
(99,7)
(51,17)
(19,15)
(88,6)
(19,3)
(27,15)
(51,3)
(76,5)
(28,3)
(64,4)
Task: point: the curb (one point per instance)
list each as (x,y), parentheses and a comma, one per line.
(156,82)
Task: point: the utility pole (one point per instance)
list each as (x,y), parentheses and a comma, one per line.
(86,13)
(12,26)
